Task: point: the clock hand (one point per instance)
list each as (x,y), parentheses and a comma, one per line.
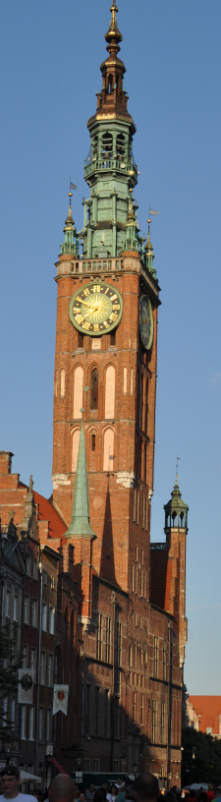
(86,304)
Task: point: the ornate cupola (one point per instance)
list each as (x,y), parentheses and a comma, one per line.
(176,512)
(110,169)
(149,253)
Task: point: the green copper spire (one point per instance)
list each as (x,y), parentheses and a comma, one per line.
(70,244)
(149,254)
(80,520)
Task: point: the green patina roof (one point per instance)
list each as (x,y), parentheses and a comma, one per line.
(80,520)
(176,503)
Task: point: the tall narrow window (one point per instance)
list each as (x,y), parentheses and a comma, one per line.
(94,390)
(15,611)
(119,642)
(23,722)
(33,658)
(132,578)
(154,720)
(26,610)
(44,617)
(31,724)
(75,446)
(113,338)
(162,723)
(93,442)
(42,668)
(41,724)
(34,613)
(48,726)
(164,660)
(51,620)
(78,392)
(134,706)
(62,383)
(134,504)
(110,393)
(99,636)
(156,657)
(142,709)
(125,381)
(50,670)
(108,450)
(108,641)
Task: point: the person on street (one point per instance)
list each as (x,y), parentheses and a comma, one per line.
(61,789)
(10,781)
(146,788)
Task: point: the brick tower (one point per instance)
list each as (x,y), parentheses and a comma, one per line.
(106,340)
(130,629)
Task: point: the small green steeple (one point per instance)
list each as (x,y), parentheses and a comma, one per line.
(149,254)
(80,520)
(70,244)
(132,228)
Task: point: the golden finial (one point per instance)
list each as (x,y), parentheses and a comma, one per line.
(113,36)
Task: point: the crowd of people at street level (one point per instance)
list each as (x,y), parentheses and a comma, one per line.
(145,788)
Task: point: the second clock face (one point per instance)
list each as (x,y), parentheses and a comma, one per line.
(146,322)
(95,309)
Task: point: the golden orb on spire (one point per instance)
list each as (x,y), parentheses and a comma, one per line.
(113,35)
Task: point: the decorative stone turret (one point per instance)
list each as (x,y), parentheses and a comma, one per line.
(149,254)
(70,244)
(176,511)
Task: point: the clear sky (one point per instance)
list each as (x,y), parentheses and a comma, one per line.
(50,53)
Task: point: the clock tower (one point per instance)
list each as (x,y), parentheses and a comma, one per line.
(106,343)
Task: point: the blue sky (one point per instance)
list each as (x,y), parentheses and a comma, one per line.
(50,55)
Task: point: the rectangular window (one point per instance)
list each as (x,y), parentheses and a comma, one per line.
(51,620)
(48,726)
(164,660)
(154,720)
(106,703)
(34,613)
(26,610)
(31,724)
(118,643)
(97,705)
(108,641)
(35,569)
(12,717)
(125,381)
(116,717)
(87,711)
(162,723)
(28,565)
(155,657)
(116,766)
(50,670)
(138,508)
(23,722)
(131,381)
(7,611)
(87,764)
(45,577)
(33,658)
(96,765)
(41,724)
(142,583)
(24,656)
(44,617)
(99,636)
(43,666)
(15,611)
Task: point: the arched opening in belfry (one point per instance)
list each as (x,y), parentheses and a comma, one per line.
(110,84)
(120,147)
(95,148)
(107,146)
(174,518)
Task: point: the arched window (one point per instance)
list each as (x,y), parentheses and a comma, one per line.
(107,146)
(75,446)
(93,442)
(131,656)
(78,392)
(109,393)
(120,147)
(108,450)
(95,148)
(94,389)
(110,84)
(62,383)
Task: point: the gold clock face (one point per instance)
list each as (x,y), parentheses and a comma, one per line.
(95,309)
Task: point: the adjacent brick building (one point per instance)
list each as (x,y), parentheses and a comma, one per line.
(120,632)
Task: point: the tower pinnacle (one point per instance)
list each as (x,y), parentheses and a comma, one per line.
(113,35)
(80,520)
